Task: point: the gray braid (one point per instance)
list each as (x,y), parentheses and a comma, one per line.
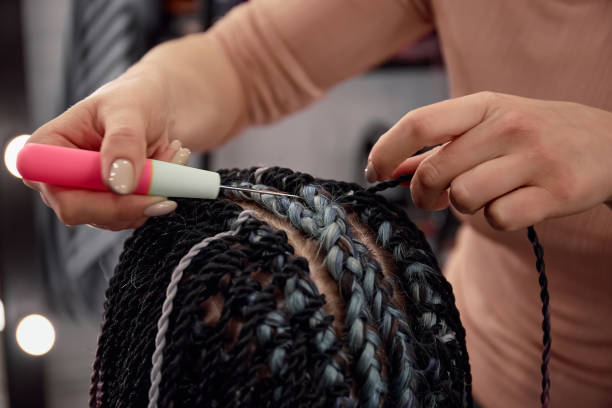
(326,221)
(162,323)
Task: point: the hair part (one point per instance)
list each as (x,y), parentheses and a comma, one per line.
(334,299)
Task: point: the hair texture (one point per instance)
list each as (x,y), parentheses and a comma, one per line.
(211,306)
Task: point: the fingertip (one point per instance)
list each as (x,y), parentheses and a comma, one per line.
(123,153)
(160,208)
(121,179)
(370,172)
(181,156)
(441,203)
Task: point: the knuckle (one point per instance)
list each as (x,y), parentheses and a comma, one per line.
(498,218)
(511,121)
(514,123)
(122,132)
(461,197)
(416,124)
(566,186)
(489,97)
(428,175)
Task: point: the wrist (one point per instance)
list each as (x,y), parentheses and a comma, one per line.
(204,95)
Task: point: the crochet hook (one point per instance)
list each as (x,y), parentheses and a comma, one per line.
(68,167)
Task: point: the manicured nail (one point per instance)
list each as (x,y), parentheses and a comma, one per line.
(370,172)
(175,144)
(163,208)
(121,176)
(181,156)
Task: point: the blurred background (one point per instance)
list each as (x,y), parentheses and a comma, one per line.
(53,278)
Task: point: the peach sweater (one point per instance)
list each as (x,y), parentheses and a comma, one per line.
(286,53)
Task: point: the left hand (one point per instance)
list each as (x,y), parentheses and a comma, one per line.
(522,160)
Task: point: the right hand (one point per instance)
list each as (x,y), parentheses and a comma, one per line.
(127,120)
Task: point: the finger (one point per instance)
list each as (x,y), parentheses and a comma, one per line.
(472,190)
(182,156)
(44,199)
(442,201)
(167,152)
(427,126)
(435,174)
(32,184)
(174,153)
(73,128)
(410,165)
(121,226)
(520,208)
(102,208)
(124,149)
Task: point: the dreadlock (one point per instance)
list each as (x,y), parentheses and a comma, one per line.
(211,306)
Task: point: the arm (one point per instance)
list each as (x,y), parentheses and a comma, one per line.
(269,58)
(266,59)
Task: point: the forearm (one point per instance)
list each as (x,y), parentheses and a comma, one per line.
(204,95)
(269,58)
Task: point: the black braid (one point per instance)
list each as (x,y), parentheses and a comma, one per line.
(273,342)
(542,279)
(546,339)
(412,248)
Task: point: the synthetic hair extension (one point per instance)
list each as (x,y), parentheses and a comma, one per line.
(162,323)
(542,280)
(210,306)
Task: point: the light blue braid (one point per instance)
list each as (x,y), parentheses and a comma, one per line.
(416,273)
(361,264)
(297,292)
(162,323)
(326,221)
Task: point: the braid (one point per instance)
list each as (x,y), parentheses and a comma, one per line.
(210,306)
(367,291)
(162,323)
(430,297)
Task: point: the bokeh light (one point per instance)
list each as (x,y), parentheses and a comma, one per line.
(2,321)
(11,151)
(35,334)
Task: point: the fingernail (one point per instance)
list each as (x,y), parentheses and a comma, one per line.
(163,208)
(121,176)
(370,172)
(175,144)
(181,156)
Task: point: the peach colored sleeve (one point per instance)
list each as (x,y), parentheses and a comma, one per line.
(286,53)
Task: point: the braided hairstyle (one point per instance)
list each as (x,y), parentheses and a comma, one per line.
(255,300)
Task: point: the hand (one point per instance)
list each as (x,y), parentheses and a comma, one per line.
(522,160)
(127,120)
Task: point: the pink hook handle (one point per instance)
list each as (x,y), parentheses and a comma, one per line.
(68,167)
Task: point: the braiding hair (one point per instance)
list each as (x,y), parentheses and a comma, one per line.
(211,306)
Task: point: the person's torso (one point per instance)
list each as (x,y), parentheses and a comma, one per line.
(554,50)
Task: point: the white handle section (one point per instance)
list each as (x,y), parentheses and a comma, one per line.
(174,180)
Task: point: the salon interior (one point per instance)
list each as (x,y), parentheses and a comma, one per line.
(53,277)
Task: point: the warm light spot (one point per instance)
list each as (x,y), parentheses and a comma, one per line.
(35,334)
(2,321)
(11,151)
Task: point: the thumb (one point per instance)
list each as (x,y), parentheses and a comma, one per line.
(123,150)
